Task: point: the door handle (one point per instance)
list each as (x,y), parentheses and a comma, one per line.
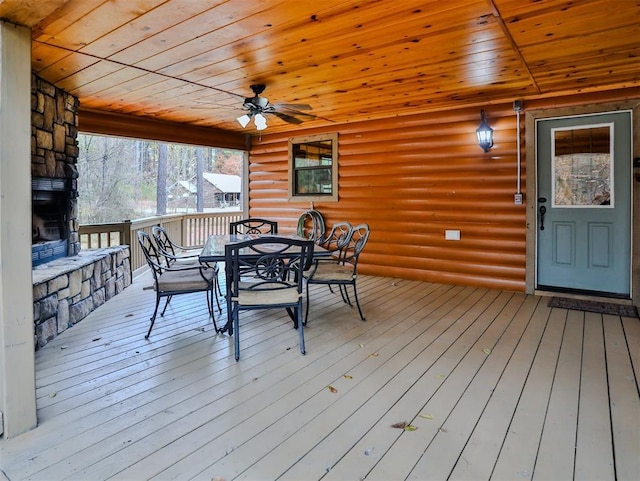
(543,210)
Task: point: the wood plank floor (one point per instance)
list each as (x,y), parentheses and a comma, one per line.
(496,384)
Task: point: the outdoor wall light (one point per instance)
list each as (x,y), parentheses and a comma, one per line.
(484,133)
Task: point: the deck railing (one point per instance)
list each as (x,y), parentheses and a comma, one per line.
(189,230)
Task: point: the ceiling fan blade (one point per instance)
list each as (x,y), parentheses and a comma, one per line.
(301,114)
(293,106)
(286,117)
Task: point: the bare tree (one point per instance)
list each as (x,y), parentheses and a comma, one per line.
(130,179)
(161,186)
(199,180)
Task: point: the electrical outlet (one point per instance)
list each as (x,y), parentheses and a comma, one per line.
(517,199)
(452,235)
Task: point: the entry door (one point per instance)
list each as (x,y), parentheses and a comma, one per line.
(584,203)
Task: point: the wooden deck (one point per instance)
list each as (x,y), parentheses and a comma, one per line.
(497,385)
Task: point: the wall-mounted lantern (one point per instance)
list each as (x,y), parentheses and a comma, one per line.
(484,133)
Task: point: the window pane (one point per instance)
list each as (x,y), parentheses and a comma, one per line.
(582,170)
(313,182)
(312,154)
(313,167)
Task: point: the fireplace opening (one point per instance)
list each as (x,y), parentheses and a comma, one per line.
(50,219)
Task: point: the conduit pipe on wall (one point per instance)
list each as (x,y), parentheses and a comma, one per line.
(517,106)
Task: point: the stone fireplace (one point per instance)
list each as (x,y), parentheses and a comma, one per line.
(51,208)
(67,284)
(54,155)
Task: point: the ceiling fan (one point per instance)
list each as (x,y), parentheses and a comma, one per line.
(257,107)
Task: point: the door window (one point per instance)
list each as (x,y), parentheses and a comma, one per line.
(582,166)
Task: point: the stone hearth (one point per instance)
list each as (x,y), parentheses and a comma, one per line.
(66,290)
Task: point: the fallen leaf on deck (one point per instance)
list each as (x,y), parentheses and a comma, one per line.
(425,416)
(404,425)
(332,389)
(96,339)
(63,347)
(440,376)
(346,376)
(373,354)
(53,394)
(361,346)
(442,430)
(487,351)
(129,315)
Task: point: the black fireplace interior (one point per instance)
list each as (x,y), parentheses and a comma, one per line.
(50,219)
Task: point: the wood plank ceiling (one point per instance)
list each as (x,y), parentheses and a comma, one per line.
(193,61)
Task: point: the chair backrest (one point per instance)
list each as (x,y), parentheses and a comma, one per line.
(357,241)
(253,226)
(337,238)
(272,262)
(311,225)
(150,253)
(163,242)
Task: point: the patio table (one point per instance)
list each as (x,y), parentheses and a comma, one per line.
(214,251)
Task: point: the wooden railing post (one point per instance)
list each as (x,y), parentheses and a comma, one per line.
(183,232)
(127,234)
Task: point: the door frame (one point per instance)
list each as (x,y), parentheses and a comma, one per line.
(532,175)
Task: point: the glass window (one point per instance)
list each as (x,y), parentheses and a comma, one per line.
(582,167)
(313,167)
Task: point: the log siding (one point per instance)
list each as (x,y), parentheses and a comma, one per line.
(411,178)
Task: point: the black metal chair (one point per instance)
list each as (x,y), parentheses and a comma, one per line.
(343,271)
(335,242)
(253,225)
(169,249)
(175,253)
(169,281)
(337,238)
(271,261)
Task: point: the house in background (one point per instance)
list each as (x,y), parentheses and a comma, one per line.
(221,191)
(182,197)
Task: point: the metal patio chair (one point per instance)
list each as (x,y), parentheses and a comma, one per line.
(177,279)
(253,225)
(169,248)
(276,265)
(186,256)
(343,270)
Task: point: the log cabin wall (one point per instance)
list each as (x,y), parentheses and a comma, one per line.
(411,178)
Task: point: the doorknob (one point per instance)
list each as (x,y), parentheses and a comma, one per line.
(543,210)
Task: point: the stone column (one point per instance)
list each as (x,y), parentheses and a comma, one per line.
(17,363)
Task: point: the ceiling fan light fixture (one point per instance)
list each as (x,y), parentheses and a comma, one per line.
(244,120)
(260,121)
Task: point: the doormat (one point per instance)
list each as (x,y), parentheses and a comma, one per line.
(623,310)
